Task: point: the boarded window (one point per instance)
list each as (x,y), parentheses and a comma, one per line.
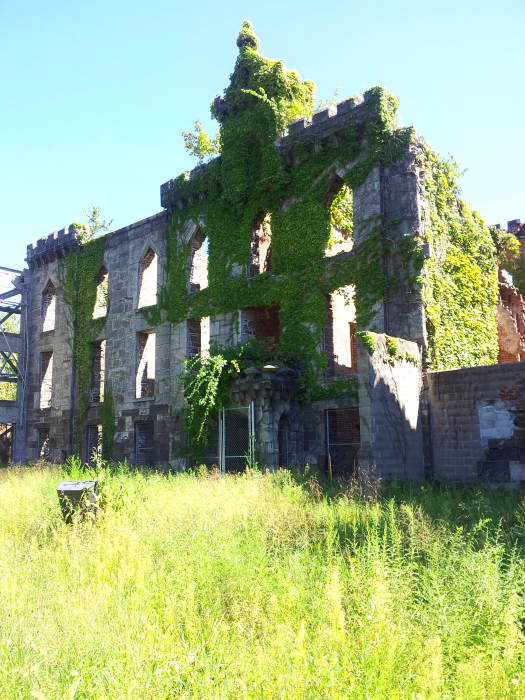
(145,378)
(342,440)
(98,366)
(144,444)
(46,379)
(101,301)
(93,441)
(148,279)
(48,307)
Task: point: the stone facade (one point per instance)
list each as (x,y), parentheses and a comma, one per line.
(397,419)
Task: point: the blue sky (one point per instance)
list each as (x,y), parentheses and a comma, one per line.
(96,94)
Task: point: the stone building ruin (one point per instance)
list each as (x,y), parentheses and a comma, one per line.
(383,368)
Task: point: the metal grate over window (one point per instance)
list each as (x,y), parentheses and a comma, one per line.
(342,440)
(143,444)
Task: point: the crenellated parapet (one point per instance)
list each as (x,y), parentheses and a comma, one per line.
(324,129)
(53,247)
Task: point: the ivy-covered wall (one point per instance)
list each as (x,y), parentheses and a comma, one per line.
(319,184)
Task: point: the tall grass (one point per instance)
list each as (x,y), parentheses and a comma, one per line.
(258,586)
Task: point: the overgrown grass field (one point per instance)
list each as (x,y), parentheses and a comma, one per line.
(259,586)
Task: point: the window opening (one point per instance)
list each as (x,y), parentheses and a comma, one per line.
(93,441)
(43,442)
(98,367)
(198,263)
(148,279)
(48,307)
(46,379)
(261,248)
(193,337)
(144,444)
(145,377)
(101,302)
(259,322)
(341,211)
(342,440)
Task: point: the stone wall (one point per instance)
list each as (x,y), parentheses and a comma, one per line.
(477,418)
(390,409)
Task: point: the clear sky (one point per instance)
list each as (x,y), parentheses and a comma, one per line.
(96,94)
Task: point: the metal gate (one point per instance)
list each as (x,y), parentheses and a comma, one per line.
(342,440)
(233,446)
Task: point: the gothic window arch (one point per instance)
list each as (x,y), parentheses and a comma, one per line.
(341,210)
(198,263)
(147,295)
(48,307)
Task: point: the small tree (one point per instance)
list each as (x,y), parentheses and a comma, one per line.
(200,145)
(96,224)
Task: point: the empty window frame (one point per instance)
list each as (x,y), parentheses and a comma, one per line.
(261,248)
(101,301)
(93,441)
(145,376)
(193,337)
(46,379)
(48,307)
(198,263)
(338,342)
(98,370)
(148,279)
(259,322)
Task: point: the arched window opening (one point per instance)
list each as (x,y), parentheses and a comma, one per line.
(261,248)
(48,307)
(341,238)
(198,263)
(101,301)
(148,279)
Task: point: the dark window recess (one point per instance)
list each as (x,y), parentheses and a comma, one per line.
(97,373)
(43,442)
(261,323)
(353,347)
(343,440)
(6,442)
(92,441)
(143,444)
(193,338)
(328,341)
